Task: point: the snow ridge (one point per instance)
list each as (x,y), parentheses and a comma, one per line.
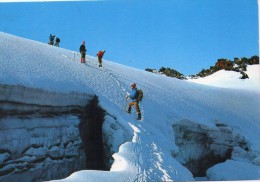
(230,79)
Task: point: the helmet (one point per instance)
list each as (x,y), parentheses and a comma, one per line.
(83,42)
(133,85)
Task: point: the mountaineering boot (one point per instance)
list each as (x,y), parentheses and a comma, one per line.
(82,60)
(139,116)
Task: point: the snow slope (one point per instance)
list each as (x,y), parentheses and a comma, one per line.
(230,79)
(146,155)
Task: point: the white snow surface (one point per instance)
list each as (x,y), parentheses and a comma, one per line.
(231,79)
(231,170)
(147,155)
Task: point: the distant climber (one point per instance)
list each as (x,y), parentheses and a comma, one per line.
(82,51)
(51,37)
(100,55)
(57,42)
(135,101)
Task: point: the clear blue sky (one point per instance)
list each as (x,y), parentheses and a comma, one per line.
(186,35)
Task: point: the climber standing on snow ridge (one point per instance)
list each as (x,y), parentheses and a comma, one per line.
(135,101)
(82,51)
(100,55)
(51,37)
(57,42)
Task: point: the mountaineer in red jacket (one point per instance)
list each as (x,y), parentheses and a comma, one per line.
(100,55)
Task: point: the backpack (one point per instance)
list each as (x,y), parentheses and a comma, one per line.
(139,95)
(100,54)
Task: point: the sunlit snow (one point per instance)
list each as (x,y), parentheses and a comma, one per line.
(231,79)
(146,153)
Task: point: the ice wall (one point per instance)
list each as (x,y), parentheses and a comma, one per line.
(39,133)
(201,147)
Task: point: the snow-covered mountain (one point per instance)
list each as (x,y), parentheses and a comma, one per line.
(50,104)
(230,79)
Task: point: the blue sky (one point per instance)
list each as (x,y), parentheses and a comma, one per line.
(186,35)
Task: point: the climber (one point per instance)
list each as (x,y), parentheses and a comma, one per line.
(134,96)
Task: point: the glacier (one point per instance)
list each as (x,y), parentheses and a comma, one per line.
(44,94)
